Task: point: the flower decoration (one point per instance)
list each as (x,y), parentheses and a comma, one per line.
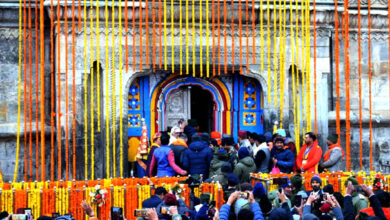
(134,120)
(250,102)
(249,118)
(99,196)
(377,183)
(133,103)
(250,89)
(178,191)
(134,90)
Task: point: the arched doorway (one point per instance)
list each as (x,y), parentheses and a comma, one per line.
(190,102)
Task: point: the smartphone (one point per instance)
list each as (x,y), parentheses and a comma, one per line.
(358,188)
(140,212)
(297,200)
(55,215)
(116,213)
(164,210)
(244,195)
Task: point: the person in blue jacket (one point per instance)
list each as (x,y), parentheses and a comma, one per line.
(282,158)
(255,208)
(197,157)
(156,199)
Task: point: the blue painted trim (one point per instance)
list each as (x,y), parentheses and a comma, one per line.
(146,100)
(235,109)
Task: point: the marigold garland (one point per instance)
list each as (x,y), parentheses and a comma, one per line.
(59,113)
(200,38)
(225,33)
(347,100)
(146,32)
(207,40)
(85,96)
(275,58)
(337,61)
(172,37)
(140,34)
(268,52)
(42,49)
(239,35)
(66,98)
(73,99)
(30,89)
(360,86)
(193,39)
(113,85)
(233,36)
(92,95)
(187,41)
(369,80)
(180,38)
(36,95)
(25,90)
(120,83)
(108,92)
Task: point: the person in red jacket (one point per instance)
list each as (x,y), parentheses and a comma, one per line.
(310,154)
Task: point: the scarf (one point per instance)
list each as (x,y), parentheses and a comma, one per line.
(330,148)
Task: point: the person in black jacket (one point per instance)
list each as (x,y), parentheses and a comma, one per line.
(178,147)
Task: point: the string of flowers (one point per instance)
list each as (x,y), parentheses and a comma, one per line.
(275,58)
(146,32)
(225,34)
(239,35)
(108,92)
(73,97)
(207,39)
(180,39)
(369,80)
(92,89)
(113,98)
(30,90)
(36,95)
(140,34)
(347,91)
(98,62)
(120,81)
(59,113)
(42,49)
(172,37)
(360,85)
(213,32)
(66,97)
(193,39)
(25,90)
(187,41)
(200,39)
(268,51)
(337,82)
(233,35)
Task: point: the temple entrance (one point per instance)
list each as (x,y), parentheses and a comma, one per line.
(202,108)
(190,102)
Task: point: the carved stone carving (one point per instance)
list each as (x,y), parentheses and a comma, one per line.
(177,106)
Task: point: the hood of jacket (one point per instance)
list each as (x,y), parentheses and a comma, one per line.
(248,161)
(180,142)
(198,146)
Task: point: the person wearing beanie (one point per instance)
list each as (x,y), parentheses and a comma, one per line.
(155,144)
(222,177)
(310,154)
(171,200)
(198,156)
(228,145)
(232,185)
(333,158)
(243,140)
(359,201)
(316,186)
(261,197)
(245,166)
(216,163)
(217,136)
(282,158)
(156,199)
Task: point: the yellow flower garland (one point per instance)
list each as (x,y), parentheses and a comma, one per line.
(113,90)
(107,97)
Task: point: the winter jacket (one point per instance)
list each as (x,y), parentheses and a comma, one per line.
(262,156)
(376,209)
(197,158)
(244,167)
(215,167)
(182,209)
(349,213)
(335,162)
(225,210)
(178,147)
(285,159)
(165,160)
(313,158)
(152,202)
(359,202)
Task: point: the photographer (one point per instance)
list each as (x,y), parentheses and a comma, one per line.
(246,214)
(330,207)
(170,201)
(349,212)
(359,201)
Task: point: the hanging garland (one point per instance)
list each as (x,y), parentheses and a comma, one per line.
(360,86)
(268,52)
(59,113)
(308,71)
(98,63)
(207,39)
(25,90)
(134,52)
(108,92)
(153,33)
(126,37)
(52,113)
(347,100)
(233,35)
(193,39)
(275,59)
(172,37)
(369,80)
(165,36)
(247,34)
(239,35)
(297,86)
(159,30)
(253,32)
(140,34)
(146,31)
(200,39)
(30,89)
(113,84)
(120,82)
(303,67)
(213,32)
(85,96)
(219,38)
(262,36)
(282,62)
(73,94)
(225,34)
(36,95)
(187,42)
(180,39)
(315,65)
(337,61)
(66,98)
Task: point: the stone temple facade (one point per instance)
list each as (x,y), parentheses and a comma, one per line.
(231,101)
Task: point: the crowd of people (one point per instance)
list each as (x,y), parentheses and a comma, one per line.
(184,150)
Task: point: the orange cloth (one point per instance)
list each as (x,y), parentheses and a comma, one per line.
(217,136)
(181,142)
(330,148)
(370,211)
(313,157)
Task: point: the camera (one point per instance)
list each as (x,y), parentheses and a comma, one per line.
(116,213)
(244,195)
